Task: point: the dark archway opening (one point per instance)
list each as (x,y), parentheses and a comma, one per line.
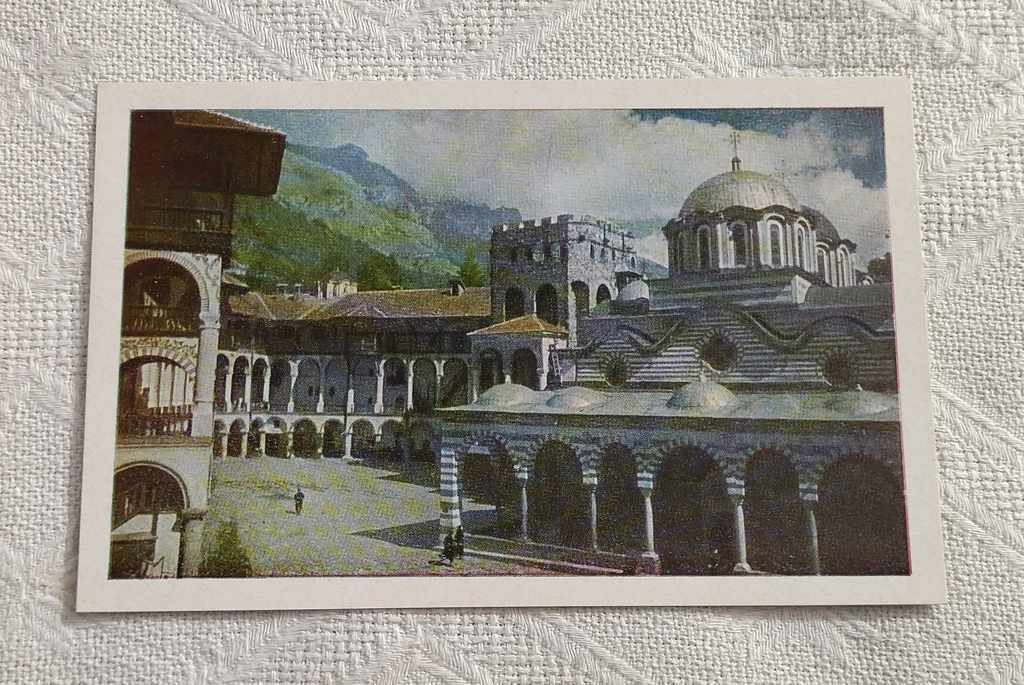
(514,303)
(620,506)
(524,368)
(547,303)
(862,526)
(693,523)
(558,505)
(491,371)
(777,533)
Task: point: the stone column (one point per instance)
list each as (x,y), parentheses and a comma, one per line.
(192,521)
(293,375)
(474,382)
(263,442)
(248,388)
(438,376)
(592,487)
(350,399)
(320,388)
(229,382)
(741,536)
(649,562)
(206,375)
(408,382)
(244,451)
(648,521)
(289,451)
(348,443)
(524,507)
(378,403)
(266,386)
(451,515)
(812,537)
(542,378)
(222,444)
(320,436)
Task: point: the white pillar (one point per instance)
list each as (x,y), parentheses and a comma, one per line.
(474,382)
(741,536)
(648,521)
(248,387)
(348,443)
(244,449)
(524,510)
(266,386)
(408,382)
(206,374)
(593,515)
(812,537)
(378,403)
(263,443)
(350,400)
(191,541)
(320,388)
(229,380)
(438,375)
(293,375)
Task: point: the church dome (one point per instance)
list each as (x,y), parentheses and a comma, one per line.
(823,228)
(506,395)
(635,290)
(701,394)
(737,188)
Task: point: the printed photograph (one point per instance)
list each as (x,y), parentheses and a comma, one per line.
(492,342)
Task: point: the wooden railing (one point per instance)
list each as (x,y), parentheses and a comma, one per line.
(156,422)
(156,320)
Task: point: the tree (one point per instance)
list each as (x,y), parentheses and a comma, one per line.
(880,268)
(470,272)
(227,558)
(379,272)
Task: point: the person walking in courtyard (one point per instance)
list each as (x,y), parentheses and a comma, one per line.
(460,546)
(448,551)
(299,496)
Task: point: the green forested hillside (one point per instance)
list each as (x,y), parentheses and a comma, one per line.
(320,221)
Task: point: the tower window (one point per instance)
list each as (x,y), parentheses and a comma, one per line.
(776,241)
(703,248)
(738,235)
(719,353)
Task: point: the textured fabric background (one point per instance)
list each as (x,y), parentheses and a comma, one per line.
(966,59)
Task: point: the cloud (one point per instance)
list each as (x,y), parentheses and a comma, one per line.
(602,162)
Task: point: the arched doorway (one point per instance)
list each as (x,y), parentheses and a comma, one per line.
(581,299)
(219,438)
(603,293)
(235,438)
(620,507)
(220,380)
(280,385)
(305,439)
(777,539)
(424,385)
(259,380)
(693,521)
(362,439)
(236,396)
(336,385)
(491,371)
(524,368)
(256,447)
(395,386)
(547,303)
(154,398)
(364,386)
(455,384)
(161,298)
(334,439)
(276,431)
(862,527)
(514,303)
(558,505)
(307,386)
(421,441)
(390,446)
(147,501)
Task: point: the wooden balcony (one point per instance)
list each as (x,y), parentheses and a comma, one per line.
(145,320)
(159,422)
(188,229)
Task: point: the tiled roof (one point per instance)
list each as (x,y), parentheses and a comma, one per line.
(473,302)
(205,119)
(530,324)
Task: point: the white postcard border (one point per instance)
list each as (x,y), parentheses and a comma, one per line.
(96,592)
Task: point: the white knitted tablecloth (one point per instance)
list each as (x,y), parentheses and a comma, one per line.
(965,58)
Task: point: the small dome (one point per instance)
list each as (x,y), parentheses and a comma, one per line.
(860,403)
(506,395)
(634,290)
(737,189)
(575,398)
(824,229)
(701,395)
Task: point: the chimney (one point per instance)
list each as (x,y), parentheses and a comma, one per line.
(456,287)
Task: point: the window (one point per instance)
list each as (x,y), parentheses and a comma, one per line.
(738,236)
(837,370)
(719,353)
(703,248)
(593,251)
(822,265)
(775,233)
(800,242)
(615,369)
(564,252)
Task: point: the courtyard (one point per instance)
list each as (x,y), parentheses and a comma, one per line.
(358,518)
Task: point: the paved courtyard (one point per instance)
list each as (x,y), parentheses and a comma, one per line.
(369,518)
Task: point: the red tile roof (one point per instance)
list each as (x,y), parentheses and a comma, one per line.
(530,324)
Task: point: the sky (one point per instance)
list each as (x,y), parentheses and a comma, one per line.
(623,165)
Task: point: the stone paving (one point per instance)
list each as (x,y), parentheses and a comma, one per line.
(369,518)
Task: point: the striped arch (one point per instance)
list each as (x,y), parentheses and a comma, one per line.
(805,468)
(729,465)
(821,464)
(208,301)
(156,347)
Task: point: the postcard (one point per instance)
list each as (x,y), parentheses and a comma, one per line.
(507,344)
